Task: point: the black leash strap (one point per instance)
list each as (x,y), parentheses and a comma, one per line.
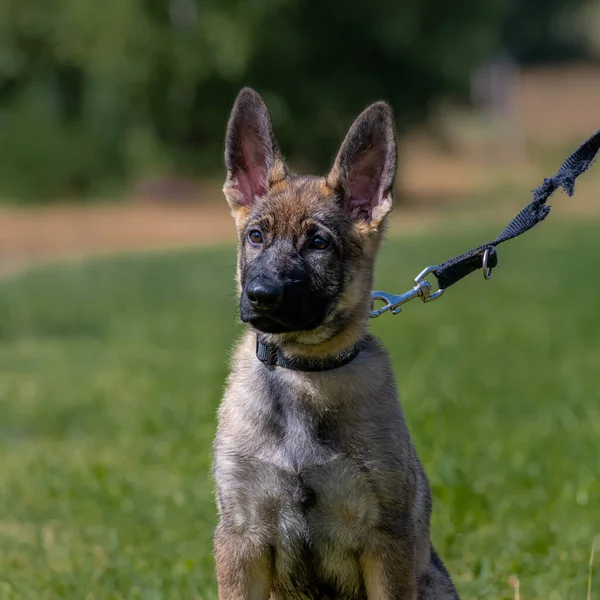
(485,256)
(454,270)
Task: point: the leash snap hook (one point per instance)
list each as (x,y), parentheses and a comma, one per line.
(393,303)
(487,271)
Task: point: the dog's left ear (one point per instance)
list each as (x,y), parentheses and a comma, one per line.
(252,157)
(365,167)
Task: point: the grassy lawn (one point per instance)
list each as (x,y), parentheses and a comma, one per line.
(111,372)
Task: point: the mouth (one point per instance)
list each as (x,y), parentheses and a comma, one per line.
(267,323)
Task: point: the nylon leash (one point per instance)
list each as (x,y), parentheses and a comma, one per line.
(485,257)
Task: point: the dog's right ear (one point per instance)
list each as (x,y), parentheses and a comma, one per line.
(252,157)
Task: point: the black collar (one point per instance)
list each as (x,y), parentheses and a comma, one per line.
(272,356)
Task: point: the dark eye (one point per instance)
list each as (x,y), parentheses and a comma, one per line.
(255,236)
(319,242)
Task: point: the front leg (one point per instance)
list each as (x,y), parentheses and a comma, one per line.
(389,571)
(243,567)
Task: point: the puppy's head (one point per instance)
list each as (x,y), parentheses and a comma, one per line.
(307,245)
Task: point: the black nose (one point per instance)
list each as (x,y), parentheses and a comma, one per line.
(265,294)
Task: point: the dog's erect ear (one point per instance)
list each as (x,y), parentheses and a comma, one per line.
(365,166)
(252,158)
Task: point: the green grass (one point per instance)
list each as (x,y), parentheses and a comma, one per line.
(112,370)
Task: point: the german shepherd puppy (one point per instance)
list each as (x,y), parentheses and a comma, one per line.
(321,494)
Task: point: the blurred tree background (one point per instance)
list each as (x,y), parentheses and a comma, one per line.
(94,95)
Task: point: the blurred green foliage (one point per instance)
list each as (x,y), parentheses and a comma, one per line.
(539,31)
(97,93)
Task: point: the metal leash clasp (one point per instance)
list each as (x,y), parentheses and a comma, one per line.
(421,289)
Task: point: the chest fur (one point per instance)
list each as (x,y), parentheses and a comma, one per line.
(301,494)
(316,520)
